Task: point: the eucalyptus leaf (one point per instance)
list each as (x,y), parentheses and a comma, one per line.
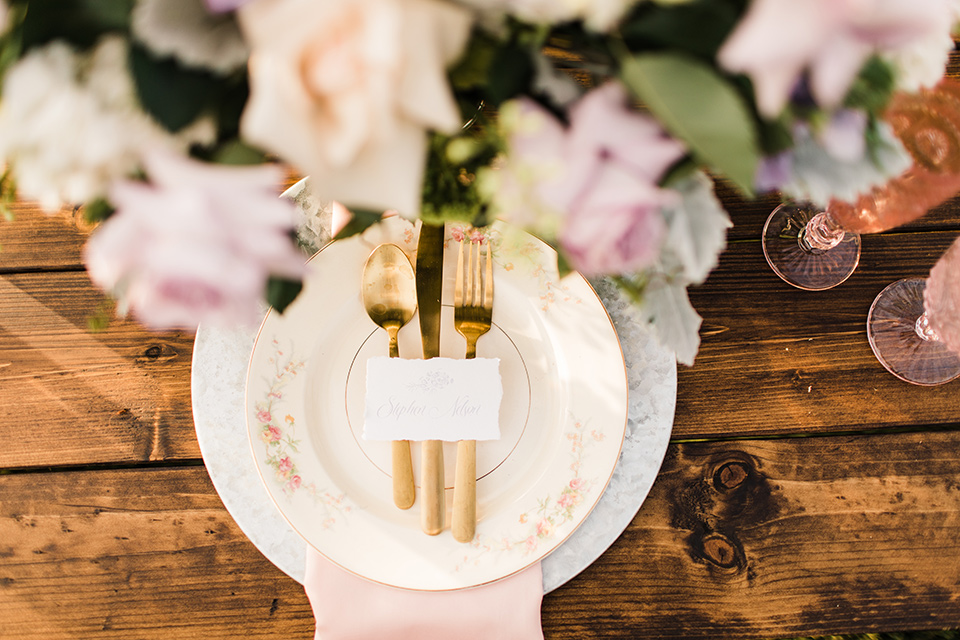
(667,307)
(699,106)
(281,292)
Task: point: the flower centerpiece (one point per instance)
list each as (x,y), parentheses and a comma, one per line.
(598,125)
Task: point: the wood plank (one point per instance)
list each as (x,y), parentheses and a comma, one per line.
(775,359)
(69,396)
(749,215)
(134,554)
(784,538)
(744,539)
(35,240)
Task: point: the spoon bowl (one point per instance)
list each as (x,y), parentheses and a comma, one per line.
(389,292)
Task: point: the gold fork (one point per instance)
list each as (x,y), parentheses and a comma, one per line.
(472,316)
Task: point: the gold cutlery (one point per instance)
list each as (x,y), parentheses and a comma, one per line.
(390,298)
(473,314)
(429,289)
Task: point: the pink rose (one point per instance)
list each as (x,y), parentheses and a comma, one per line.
(275,434)
(294,483)
(778,40)
(577,484)
(567,500)
(264,416)
(594,184)
(544,528)
(196,243)
(285,465)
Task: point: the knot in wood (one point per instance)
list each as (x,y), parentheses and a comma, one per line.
(730,475)
(721,551)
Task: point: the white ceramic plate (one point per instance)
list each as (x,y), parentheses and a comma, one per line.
(563,417)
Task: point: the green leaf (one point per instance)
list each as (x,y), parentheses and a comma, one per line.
(696,104)
(97,211)
(281,292)
(473,68)
(509,74)
(171,93)
(361,220)
(563,265)
(696,27)
(872,88)
(79,22)
(236,152)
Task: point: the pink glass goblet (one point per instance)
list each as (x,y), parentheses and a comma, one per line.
(914,324)
(818,249)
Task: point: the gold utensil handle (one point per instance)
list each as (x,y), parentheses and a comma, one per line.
(404,493)
(464,523)
(432,503)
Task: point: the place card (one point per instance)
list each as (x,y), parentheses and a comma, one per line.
(434,399)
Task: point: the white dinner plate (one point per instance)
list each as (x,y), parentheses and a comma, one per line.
(562,418)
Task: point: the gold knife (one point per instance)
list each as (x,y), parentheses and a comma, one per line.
(429,288)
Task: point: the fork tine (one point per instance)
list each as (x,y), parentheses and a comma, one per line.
(477,274)
(458,287)
(488,282)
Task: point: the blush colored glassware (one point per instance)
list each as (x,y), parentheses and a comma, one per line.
(817,249)
(914,324)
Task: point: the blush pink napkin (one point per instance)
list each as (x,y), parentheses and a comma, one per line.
(347,607)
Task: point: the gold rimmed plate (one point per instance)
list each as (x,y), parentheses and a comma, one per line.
(563,416)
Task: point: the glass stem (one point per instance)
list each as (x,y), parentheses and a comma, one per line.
(924,330)
(821,233)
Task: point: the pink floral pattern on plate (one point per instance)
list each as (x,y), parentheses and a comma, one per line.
(553,511)
(279,437)
(551,290)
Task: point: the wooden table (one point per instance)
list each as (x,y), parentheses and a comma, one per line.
(806,490)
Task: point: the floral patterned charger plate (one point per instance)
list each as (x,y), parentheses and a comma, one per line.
(563,416)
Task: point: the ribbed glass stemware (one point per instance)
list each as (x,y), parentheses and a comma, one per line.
(914,324)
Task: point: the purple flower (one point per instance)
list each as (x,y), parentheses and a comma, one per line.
(196,243)
(601,182)
(223,6)
(779,40)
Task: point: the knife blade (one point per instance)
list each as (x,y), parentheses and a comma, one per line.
(429,276)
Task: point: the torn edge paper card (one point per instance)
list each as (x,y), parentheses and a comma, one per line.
(434,399)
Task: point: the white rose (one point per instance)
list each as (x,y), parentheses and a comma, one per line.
(347,90)
(597,15)
(70,123)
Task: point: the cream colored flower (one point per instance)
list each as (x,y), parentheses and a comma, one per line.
(597,15)
(346,90)
(70,123)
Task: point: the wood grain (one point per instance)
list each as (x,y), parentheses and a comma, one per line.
(134,554)
(745,539)
(770,539)
(777,360)
(774,360)
(35,240)
(69,396)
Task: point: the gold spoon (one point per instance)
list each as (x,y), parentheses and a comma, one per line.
(390,298)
